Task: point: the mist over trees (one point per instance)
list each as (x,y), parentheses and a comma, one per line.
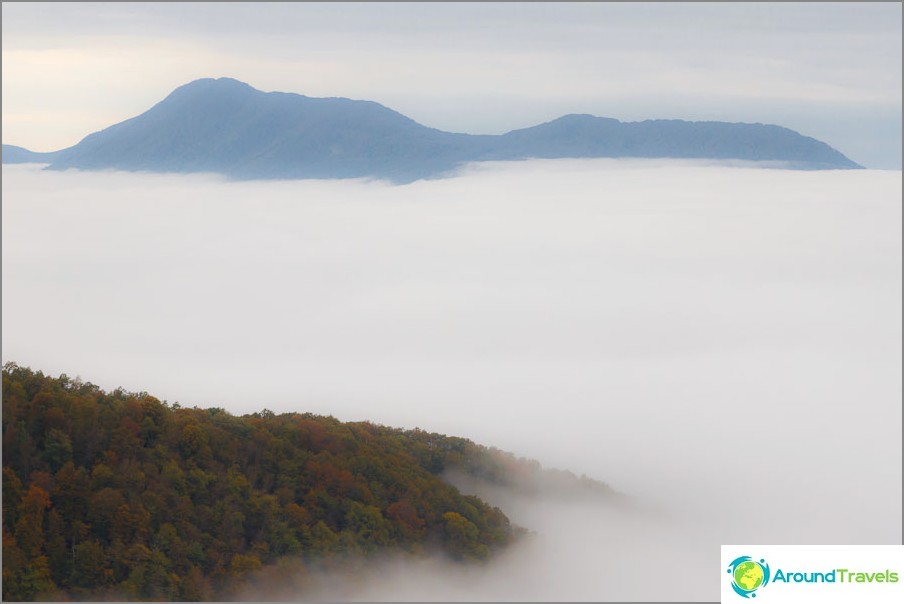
(120,493)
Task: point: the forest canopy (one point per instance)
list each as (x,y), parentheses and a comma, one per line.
(120,493)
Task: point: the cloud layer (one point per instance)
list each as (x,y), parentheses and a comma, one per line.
(720,342)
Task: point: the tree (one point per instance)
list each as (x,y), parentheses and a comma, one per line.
(323,539)
(55,547)
(366,523)
(30,526)
(104,506)
(461,537)
(406,519)
(195,587)
(73,489)
(57,449)
(12,496)
(242,564)
(14,565)
(89,569)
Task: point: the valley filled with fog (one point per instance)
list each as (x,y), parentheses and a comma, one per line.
(720,343)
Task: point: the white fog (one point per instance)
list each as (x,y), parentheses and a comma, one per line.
(721,343)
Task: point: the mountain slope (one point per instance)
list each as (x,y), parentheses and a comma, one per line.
(225,126)
(119,493)
(589,136)
(20,155)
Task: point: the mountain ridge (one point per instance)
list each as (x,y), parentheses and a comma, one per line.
(226,126)
(117,493)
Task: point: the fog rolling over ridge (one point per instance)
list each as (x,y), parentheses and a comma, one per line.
(722,344)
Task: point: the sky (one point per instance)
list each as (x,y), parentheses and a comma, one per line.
(720,343)
(828,70)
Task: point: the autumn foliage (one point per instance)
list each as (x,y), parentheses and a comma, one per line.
(119,493)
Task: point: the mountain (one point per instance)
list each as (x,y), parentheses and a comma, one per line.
(20,155)
(227,127)
(117,495)
(590,136)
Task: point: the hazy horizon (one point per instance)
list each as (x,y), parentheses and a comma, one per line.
(715,341)
(831,71)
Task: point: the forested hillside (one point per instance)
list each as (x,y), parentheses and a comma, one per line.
(120,493)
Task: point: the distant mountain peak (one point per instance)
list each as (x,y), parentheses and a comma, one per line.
(224,125)
(212,86)
(221,83)
(583,117)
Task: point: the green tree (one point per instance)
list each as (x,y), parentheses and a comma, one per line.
(462,537)
(89,568)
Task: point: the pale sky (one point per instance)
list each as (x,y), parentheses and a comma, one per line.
(828,70)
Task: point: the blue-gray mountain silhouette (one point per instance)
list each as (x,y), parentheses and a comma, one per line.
(20,155)
(225,126)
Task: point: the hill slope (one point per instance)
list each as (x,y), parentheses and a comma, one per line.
(20,155)
(225,126)
(119,493)
(589,136)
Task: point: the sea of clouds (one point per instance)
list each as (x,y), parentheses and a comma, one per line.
(720,342)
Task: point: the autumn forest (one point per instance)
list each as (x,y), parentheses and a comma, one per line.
(119,495)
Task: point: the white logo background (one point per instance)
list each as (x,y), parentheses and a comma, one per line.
(818,558)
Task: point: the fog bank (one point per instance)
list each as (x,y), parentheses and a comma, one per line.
(722,343)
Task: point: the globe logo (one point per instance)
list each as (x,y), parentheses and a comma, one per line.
(748,575)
